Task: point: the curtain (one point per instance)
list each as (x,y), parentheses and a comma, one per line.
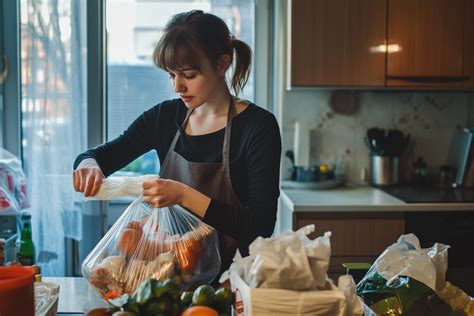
(53,75)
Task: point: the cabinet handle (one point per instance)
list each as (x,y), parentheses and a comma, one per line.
(429,79)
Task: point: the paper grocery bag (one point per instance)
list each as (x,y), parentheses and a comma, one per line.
(274,302)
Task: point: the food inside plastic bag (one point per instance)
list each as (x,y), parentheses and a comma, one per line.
(13,193)
(145,243)
(404,279)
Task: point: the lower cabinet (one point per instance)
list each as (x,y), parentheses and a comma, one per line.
(356,236)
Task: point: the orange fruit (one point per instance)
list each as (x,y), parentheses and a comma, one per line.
(188,252)
(128,241)
(200,311)
(135,225)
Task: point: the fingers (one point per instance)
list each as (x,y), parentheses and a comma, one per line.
(89,184)
(82,179)
(151,183)
(75,180)
(156,201)
(96,186)
(152,187)
(87,180)
(93,181)
(152,193)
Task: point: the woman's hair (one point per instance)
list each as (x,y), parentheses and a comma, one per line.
(191,35)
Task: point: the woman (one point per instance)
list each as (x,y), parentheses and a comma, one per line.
(220,155)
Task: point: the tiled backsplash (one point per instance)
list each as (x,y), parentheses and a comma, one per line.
(429,117)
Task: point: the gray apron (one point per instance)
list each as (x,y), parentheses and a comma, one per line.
(211,179)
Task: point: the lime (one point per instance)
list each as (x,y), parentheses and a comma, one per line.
(173,289)
(156,307)
(186,299)
(160,290)
(223,299)
(172,286)
(204,295)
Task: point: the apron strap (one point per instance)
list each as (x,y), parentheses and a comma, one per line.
(226,146)
(178,132)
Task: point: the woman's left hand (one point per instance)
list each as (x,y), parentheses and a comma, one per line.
(163,192)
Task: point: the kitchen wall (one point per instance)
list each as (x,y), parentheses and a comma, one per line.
(429,117)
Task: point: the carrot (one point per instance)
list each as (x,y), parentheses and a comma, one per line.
(110,295)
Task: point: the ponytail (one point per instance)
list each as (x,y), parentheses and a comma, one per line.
(243,61)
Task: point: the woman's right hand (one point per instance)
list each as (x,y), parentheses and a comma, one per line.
(87,180)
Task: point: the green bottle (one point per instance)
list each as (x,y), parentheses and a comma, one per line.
(26,255)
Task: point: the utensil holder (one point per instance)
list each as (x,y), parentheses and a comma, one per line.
(384,170)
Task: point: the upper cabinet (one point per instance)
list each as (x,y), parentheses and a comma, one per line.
(328,50)
(469,44)
(381,43)
(428,39)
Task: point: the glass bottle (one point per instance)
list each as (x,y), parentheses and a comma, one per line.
(26,254)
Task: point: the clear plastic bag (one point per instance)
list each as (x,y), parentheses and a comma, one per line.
(145,243)
(13,194)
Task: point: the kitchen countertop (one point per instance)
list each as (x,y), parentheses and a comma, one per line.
(358,199)
(76,296)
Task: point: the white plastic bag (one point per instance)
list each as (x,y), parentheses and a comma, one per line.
(121,186)
(13,193)
(405,277)
(145,243)
(46,298)
(354,304)
(407,258)
(290,261)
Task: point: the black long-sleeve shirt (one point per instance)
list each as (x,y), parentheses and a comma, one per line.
(255,151)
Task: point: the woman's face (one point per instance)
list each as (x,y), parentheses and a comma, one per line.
(196,87)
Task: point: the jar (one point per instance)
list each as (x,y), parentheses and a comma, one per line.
(420,172)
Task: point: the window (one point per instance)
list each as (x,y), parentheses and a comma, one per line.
(53,115)
(134,84)
(53,123)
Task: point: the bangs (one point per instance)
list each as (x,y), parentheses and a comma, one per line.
(176,51)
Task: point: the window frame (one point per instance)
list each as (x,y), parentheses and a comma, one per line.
(10,113)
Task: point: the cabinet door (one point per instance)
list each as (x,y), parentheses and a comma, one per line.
(469,44)
(356,237)
(429,34)
(356,234)
(331,42)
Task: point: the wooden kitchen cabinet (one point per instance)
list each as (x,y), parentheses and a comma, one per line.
(430,34)
(331,42)
(341,43)
(356,236)
(469,44)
